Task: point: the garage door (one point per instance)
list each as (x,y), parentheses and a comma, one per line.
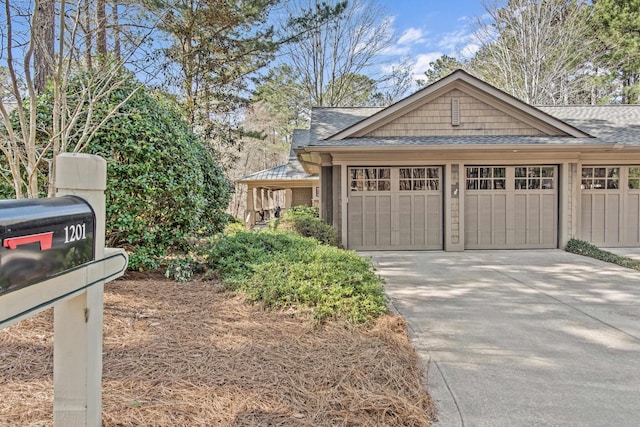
(511,207)
(395,207)
(610,205)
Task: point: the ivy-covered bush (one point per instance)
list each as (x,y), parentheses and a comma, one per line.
(304,221)
(283,270)
(163,184)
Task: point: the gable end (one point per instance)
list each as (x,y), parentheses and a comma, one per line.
(484,110)
(456,113)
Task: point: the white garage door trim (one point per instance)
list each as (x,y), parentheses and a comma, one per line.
(395,208)
(511,207)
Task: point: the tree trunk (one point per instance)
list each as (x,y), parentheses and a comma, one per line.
(116,31)
(101,27)
(88,33)
(43,34)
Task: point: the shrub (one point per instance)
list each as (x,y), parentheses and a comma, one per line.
(283,270)
(234,227)
(235,255)
(304,221)
(163,183)
(335,283)
(181,268)
(303,210)
(581,247)
(156,172)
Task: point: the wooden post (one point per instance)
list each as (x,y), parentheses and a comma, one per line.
(77,352)
(250,212)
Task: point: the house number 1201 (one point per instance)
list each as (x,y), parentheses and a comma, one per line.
(76,232)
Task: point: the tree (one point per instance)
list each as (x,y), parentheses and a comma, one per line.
(27,147)
(336,47)
(43,36)
(101,33)
(539,51)
(215,49)
(440,68)
(395,85)
(618,24)
(163,183)
(284,98)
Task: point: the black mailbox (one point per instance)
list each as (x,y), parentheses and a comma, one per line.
(41,238)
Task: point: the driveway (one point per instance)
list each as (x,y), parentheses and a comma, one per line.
(521,338)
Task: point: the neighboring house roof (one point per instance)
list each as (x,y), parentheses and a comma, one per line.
(292,170)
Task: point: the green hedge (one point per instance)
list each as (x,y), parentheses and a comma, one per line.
(284,270)
(581,247)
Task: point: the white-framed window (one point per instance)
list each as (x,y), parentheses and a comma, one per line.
(486,178)
(535,177)
(370,179)
(419,179)
(634,178)
(600,178)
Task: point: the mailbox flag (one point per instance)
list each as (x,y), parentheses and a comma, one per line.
(45,240)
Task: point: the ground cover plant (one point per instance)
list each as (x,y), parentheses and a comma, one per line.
(193,354)
(282,270)
(581,247)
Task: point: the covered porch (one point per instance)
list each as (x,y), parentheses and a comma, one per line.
(272,191)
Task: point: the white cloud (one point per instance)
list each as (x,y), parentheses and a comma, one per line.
(396,50)
(406,43)
(452,42)
(411,36)
(422,64)
(470,50)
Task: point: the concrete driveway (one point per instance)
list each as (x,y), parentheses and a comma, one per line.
(521,338)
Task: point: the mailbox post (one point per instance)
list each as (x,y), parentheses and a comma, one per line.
(77,322)
(52,254)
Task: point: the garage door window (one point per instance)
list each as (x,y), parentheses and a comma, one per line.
(370,179)
(419,179)
(486,178)
(600,178)
(534,178)
(634,178)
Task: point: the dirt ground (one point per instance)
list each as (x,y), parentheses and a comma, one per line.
(185,354)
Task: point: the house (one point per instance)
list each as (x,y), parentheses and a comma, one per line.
(462,165)
(280,188)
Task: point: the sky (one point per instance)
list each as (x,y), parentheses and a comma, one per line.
(428,29)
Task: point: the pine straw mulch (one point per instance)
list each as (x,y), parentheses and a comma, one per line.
(190,354)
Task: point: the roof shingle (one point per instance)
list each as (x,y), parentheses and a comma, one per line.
(607,123)
(290,171)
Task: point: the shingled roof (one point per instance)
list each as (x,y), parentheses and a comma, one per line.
(607,123)
(290,171)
